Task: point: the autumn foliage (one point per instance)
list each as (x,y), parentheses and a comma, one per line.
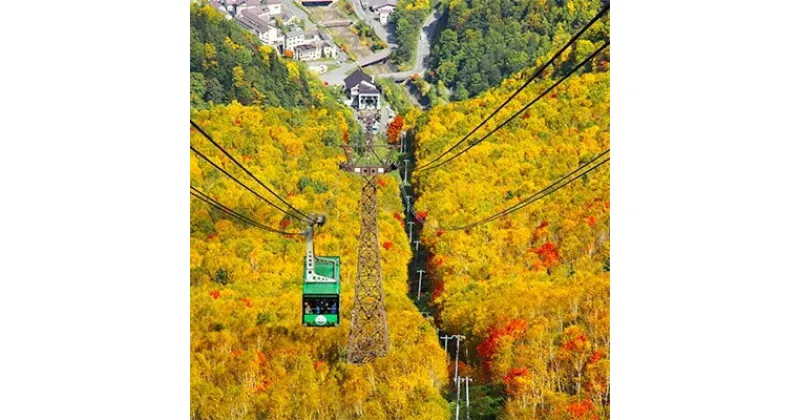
(394,130)
(488,347)
(250,357)
(532,288)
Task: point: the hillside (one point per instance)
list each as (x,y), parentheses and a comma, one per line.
(530,291)
(408,18)
(228,63)
(482,42)
(250,357)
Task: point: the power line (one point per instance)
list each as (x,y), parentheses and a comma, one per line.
(540,194)
(245,186)
(571,72)
(207,136)
(557,181)
(219,206)
(530,79)
(535,197)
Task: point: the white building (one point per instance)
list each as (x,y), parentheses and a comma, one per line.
(294,38)
(329,49)
(307,52)
(242,5)
(383,8)
(363,91)
(266,32)
(274,6)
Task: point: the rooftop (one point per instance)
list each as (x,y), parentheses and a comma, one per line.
(251,21)
(367,88)
(259,10)
(376,4)
(294,33)
(357,77)
(305,48)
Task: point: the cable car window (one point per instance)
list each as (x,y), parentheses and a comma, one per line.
(321,305)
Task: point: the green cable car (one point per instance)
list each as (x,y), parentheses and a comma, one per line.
(321,302)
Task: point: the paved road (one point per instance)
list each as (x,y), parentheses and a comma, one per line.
(372,21)
(337,76)
(300,13)
(423,49)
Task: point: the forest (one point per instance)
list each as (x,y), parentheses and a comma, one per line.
(228,63)
(482,42)
(529,291)
(250,356)
(408,18)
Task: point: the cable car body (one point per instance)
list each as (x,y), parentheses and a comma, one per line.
(321,287)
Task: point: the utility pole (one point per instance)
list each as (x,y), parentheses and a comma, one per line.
(419,283)
(458,396)
(416,245)
(405,178)
(408,205)
(410,230)
(445,338)
(466,381)
(458,342)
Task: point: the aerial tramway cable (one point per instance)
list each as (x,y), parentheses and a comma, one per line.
(553,187)
(245,186)
(222,149)
(541,95)
(221,207)
(529,81)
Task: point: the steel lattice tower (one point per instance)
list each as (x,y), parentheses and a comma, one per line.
(369,335)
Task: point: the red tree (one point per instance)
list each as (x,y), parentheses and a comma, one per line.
(548,254)
(394,130)
(488,347)
(512,386)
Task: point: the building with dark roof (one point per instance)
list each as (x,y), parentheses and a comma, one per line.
(363,91)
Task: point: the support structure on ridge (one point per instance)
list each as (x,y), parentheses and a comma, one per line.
(369,334)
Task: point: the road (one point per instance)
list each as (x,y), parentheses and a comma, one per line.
(337,76)
(300,13)
(372,21)
(423,49)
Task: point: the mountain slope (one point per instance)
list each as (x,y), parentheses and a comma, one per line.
(228,63)
(482,42)
(250,357)
(531,290)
